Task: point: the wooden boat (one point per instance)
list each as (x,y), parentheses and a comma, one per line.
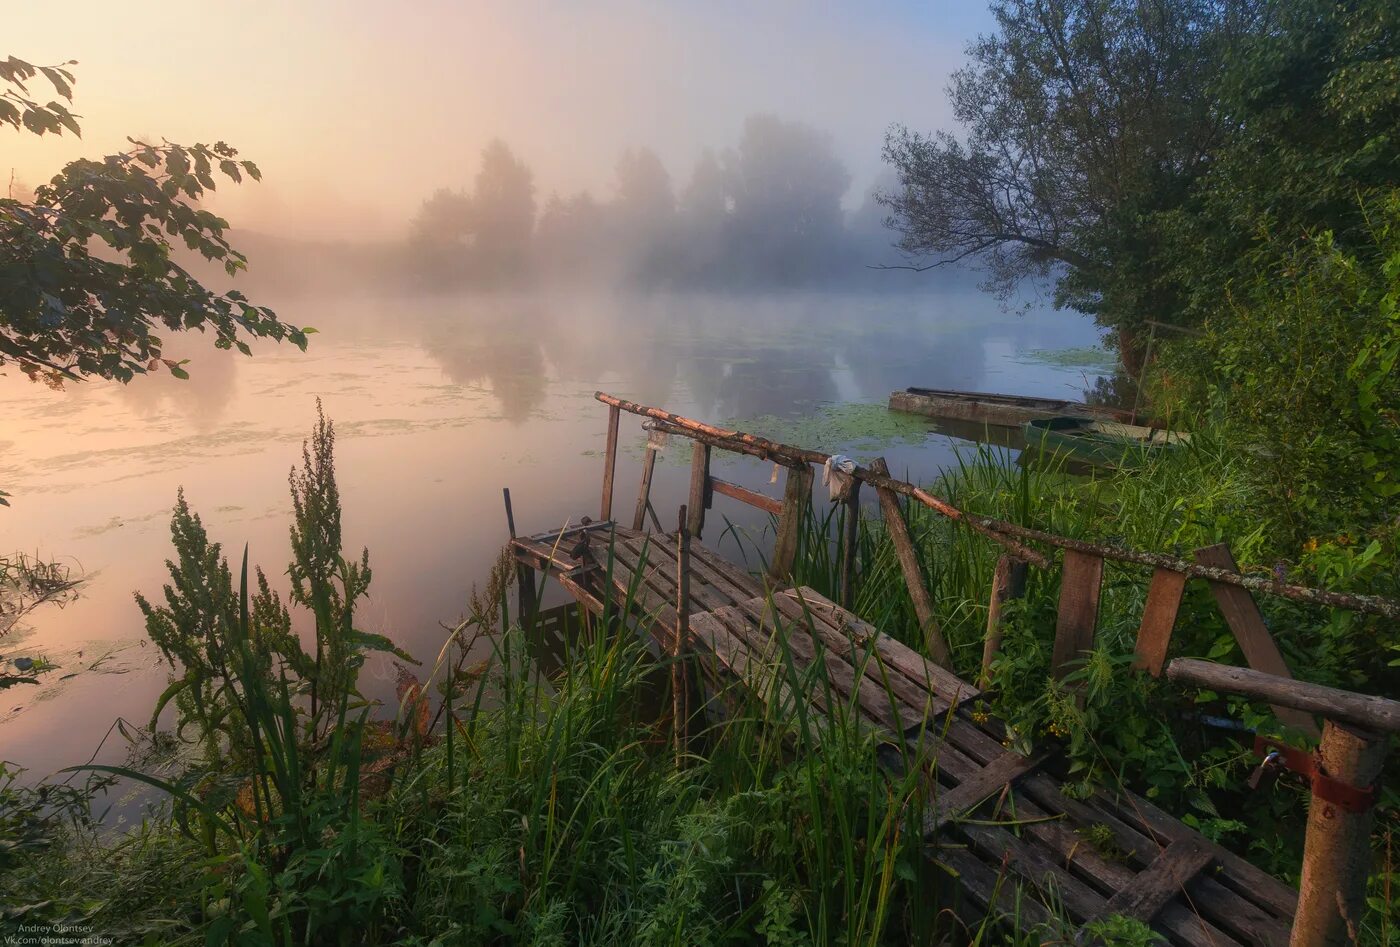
(989,408)
(1101,443)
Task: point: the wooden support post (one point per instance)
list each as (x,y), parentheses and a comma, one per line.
(1080,583)
(1008,582)
(699,488)
(526,594)
(1345,775)
(1242,615)
(914,581)
(850,537)
(644,492)
(1158,618)
(1337,849)
(797,497)
(680,686)
(610,462)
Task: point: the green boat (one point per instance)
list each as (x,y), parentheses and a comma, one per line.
(1100,443)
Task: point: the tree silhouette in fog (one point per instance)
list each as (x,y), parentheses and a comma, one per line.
(785,186)
(503,210)
(644,216)
(767,212)
(481,239)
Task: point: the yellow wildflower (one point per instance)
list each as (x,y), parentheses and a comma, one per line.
(1310,545)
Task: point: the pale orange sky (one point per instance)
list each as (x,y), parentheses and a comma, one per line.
(355,110)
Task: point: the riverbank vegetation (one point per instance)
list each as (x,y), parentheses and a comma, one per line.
(1252,198)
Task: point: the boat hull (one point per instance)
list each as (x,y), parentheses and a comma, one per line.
(989,408)
(1100,443)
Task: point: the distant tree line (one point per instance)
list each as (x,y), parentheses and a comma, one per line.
(766,212)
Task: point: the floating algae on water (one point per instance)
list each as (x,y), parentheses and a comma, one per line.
(1085,358)
(862,430)
(859,429)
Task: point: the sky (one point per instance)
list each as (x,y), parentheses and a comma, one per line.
(357,110)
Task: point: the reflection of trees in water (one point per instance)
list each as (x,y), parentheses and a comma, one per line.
(498,343)
(730,356)
(201,399)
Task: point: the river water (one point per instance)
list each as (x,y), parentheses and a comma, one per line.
(438,404)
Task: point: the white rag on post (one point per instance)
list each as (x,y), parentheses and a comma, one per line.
(836,475)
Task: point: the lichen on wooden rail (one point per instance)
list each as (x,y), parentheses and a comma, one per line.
(1009,535)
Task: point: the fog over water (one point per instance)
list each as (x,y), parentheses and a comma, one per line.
(438,404)
(488,212)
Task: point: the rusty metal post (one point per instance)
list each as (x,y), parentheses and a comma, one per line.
(1337,851)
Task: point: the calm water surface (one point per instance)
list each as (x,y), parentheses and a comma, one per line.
(437,405)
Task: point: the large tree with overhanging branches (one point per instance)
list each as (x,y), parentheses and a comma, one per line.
(1081,121)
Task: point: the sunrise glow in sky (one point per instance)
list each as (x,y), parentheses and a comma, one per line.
(356,110)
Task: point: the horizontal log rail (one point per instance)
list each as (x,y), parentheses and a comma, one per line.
(745,495)
(1009,535)
(1361,710)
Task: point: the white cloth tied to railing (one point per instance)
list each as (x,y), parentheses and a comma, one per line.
(838,476)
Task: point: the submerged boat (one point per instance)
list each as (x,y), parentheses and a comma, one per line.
(989,408)
(1101,443)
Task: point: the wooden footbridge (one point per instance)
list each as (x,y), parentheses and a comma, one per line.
(736,627)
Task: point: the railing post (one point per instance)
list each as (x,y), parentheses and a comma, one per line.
(680,686)
(1247,624)
(699,488)
(1158,619)
(1337,848)
(644,492)
(1344,774)
(610,462)
(1080,582)
(797,496)
(850,536)
(1008,582)
(914,579)
(528,599)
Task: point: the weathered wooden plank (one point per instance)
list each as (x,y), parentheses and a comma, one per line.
(915,666)
(1242,615)
(1008,582)
(797,497)
(1168,874)
(1274,899)
(745,495)
(1080,583)
(970,793)
(644,492)
(914,580)
(875,691)
(1158,618)
(699,500)
(996,898)
(1035,864)
(1038,800)
(610,461)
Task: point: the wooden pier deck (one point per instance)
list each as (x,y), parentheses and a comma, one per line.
(1156,869)
(998,820)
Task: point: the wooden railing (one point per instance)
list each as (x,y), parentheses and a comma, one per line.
(1352,742)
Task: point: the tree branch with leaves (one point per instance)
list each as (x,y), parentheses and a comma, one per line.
(88,278)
